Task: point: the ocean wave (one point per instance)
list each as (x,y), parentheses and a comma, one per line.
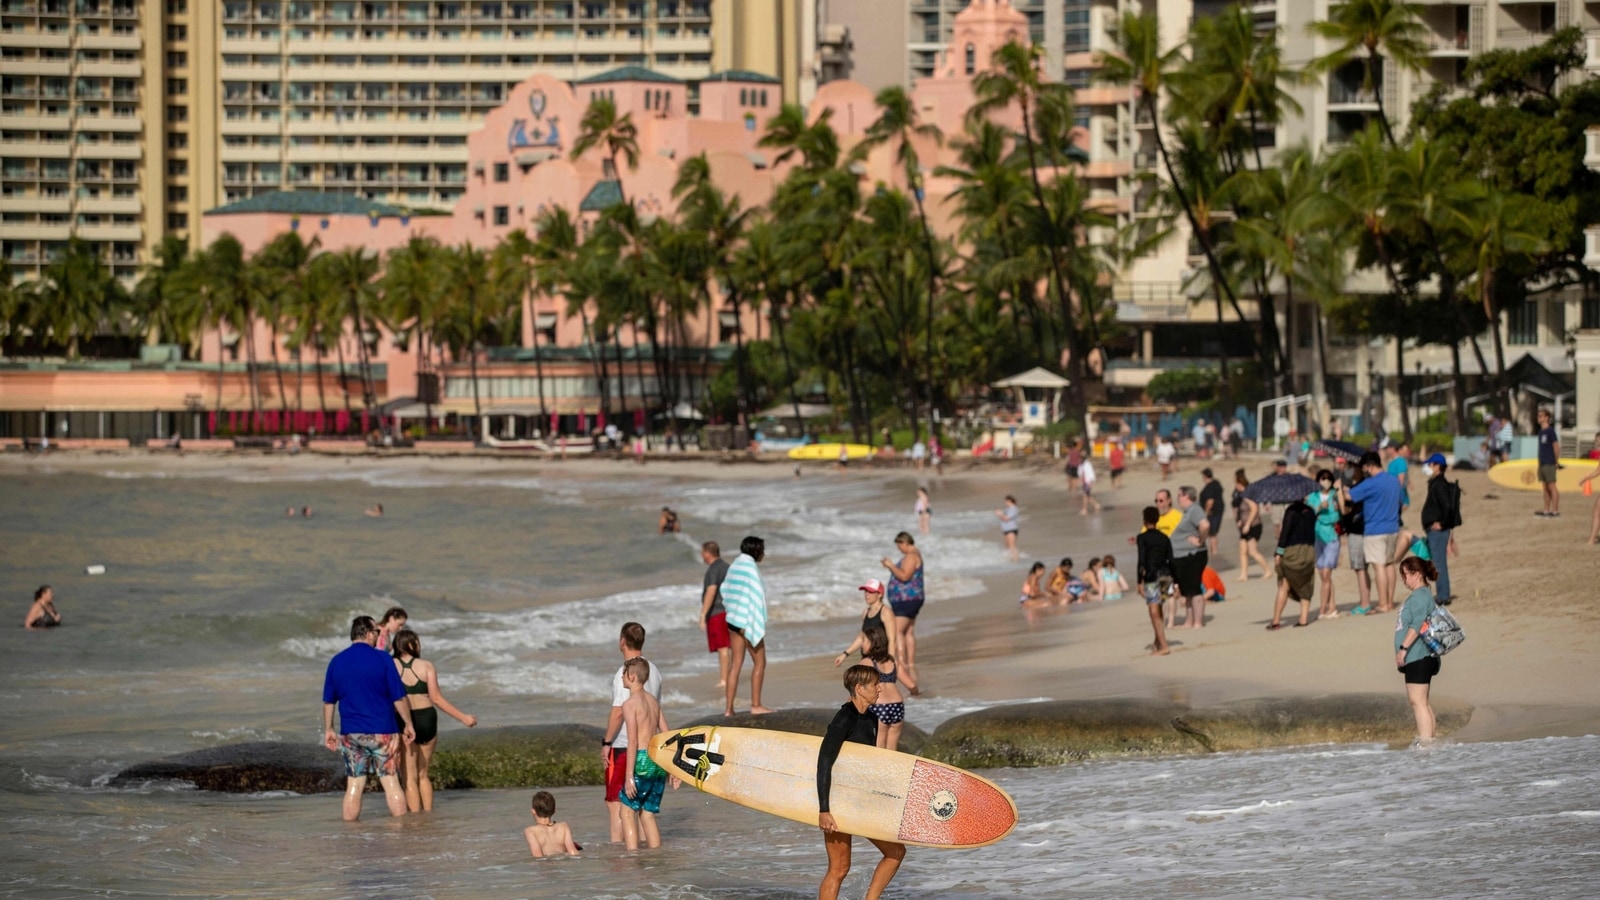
(560,680)
(1248,808)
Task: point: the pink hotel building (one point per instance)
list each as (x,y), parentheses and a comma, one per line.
(519,166)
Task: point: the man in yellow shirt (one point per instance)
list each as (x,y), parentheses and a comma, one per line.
(1170,515)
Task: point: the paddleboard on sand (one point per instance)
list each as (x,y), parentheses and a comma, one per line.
(1523,474)
(830,452)
(876,793)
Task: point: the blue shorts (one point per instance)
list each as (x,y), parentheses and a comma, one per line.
(647,793)
(1328,554)
(889,713)
(1156,591)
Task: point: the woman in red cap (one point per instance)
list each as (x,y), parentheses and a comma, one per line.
(877,613)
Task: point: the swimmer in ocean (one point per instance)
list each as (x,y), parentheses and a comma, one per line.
(668,523)
(42,614)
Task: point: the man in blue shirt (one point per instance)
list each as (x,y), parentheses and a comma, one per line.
(1379,493)
(1549,465)
(363,682)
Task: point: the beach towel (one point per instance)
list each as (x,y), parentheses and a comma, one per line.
(744,595)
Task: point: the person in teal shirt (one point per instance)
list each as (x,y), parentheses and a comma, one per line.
(1328,505)
(1411,655)
(1400,468)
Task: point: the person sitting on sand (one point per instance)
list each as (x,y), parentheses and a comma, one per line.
(42,614)
(547,837)
(1112,584)
(424,698)
(1033,595)
(854,723)
(891,706)
(643,780)
(668,523)
(1091,577)
(376,512)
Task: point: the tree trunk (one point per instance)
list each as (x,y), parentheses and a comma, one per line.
(788,364)
(476,430)
(1319,374)
(322,397)
(1400,383)
(222,353)
(742,394)
(1224,386)
(1375,76)
(344,379)
(933,291)
(1458,393)
(538,372)
(277,368)
(1075,365)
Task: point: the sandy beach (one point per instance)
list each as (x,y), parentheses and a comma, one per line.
(1525,586)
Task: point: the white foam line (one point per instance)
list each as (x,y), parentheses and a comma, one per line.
(1265,804)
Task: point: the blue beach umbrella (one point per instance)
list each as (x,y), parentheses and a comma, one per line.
(1342,449)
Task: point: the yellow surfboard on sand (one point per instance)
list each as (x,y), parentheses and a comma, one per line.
(830,452)
(882,794)
(1523,475)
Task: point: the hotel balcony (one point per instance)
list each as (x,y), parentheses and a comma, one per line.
(1591,247)
(1347,96)
(1592,61)
(1591,148)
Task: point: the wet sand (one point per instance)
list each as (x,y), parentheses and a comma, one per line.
(1525,585)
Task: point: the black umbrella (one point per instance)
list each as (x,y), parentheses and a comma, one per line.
(1285,488)
(1342,449)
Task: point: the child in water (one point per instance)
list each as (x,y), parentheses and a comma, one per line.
(891,706)
(1032,596)
(545,836)
(644,781)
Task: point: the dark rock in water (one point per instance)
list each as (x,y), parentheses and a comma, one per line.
(1043,734)
(246,769)
(809,720)
(519,756)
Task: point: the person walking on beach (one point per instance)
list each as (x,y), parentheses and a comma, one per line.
(1379,496)
(1353,522)
(1411,655)
(1594,517)
(643,781)
(1074,464)
(1118,460)
(907,592)
(1328,505)
(1009,516)
(1247,516)
(42,614)
(1086,478)
(1166,451)
(924,510)
(1549,465)
(857,724)
(1189,556)
(1211,502)
(425,700)
(1154,572)
(744,595)
(1297,561)
(614,747)
(361,681)
(1440,517)
(394,619)
(713,616)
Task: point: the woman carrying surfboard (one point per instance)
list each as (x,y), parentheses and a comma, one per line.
(855,723)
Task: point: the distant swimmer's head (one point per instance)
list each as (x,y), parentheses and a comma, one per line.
(636,671)
(632,637)
(753,547)
(406,643)
(544,804)
(45,593)
(362,628)
(861,680)
(1151,516)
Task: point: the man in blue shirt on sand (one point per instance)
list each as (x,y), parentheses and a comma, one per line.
(1380,496)
(363,682)
(1549,465)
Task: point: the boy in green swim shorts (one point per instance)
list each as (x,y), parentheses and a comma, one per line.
(645,781)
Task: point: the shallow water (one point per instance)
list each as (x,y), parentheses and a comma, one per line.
(217,615)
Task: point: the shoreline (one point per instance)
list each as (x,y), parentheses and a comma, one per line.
(1520,641)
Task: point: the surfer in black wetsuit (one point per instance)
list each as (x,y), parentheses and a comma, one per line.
(856,724)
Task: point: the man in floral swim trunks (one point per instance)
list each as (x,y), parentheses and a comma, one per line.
(363,682)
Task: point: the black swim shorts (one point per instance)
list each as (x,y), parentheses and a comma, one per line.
(1421,671)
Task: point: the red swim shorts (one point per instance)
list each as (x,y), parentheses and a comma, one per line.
(717,632)
(615,765)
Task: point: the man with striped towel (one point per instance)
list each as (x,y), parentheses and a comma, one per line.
(744,595)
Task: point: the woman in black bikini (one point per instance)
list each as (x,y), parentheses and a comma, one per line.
(878,614)
(421,682)
(42,614)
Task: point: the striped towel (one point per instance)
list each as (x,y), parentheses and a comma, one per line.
(744,595)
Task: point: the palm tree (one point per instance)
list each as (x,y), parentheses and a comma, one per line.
(760,264)
(722,220)
(76,294)
(469,311)
(816,143)
(412,287)
(312,309)
(212,286)
(602,127)
(156,307)
(898,122)
(1495,228)
(1378,29)
(514,275)
(282,270)
(1018,79)
(1235,77)
(349,278)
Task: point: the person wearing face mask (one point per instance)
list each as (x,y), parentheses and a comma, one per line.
(1328,506)
(1441,514)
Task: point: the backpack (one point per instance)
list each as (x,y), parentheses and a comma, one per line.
(1441,632)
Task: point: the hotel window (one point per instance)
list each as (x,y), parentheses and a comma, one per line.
(972,59)
(177,87)
(177,222)
(1522,323)
(502,172)
(1077,22)
(1591,313)
(502,215)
